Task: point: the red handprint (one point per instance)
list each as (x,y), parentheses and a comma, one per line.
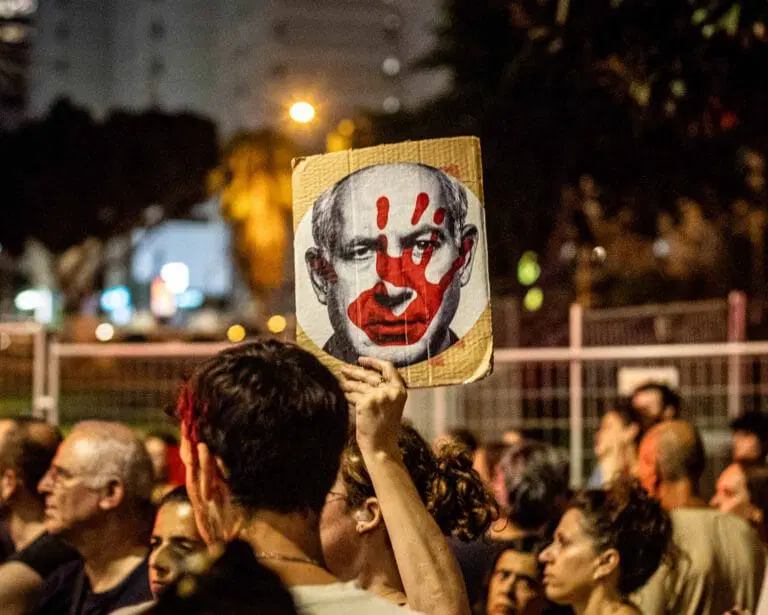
(374,311)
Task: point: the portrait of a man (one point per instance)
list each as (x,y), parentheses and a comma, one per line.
(392,250)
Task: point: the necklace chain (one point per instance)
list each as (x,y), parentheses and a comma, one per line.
(281,557)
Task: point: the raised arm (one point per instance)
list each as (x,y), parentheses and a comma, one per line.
(430,574)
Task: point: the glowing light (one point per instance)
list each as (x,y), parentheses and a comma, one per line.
(190,299)
(105,332)
(162,301)
(390,66)
(277,324)
(115,298)
(599,254)
(568,251)
(346,128)
(236,333)
(533,300)
(302,112)
(28,300)
(176,277)
(661,248)
(121,316)
(528,269)
(391,104)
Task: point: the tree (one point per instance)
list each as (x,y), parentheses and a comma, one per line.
(652,98)
(67,177)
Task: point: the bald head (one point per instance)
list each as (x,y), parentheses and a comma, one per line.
(105,450)
(677,450)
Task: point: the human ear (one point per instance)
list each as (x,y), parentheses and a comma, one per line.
(607,563)
(207,472)
(114,494)
(320,273)
(467,248)
(368,517)
(8,484)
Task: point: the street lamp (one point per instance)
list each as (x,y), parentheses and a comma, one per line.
(302,112)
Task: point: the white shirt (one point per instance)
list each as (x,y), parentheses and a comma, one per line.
(342,599)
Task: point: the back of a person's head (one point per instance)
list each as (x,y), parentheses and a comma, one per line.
(679,451)
(234,583)
(29,447)
(275,417)
(535,479)
(451,490)
(464,436)
(115,450)
(756,423)
(625,518)
(757,486)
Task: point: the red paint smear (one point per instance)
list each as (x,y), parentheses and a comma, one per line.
(185,410)
(370,312)
(382,212)
(422,202)
(439,216)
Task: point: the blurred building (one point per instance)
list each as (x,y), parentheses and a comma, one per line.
(16,29)
(241,62)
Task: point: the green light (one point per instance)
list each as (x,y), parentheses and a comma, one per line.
(528,269)
(533,300)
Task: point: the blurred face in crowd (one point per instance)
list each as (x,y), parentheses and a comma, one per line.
(514,584)
(650,405)
(338,533)
(74,493)
(746,446)
(613,435)
(158,453)
(647,467)
(572,565)
(174,538)
(6,492)
(732,495)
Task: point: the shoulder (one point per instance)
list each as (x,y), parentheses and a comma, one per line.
(46,555)
(342,599)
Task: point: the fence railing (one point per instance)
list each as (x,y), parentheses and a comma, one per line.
(22,367)
(555,394)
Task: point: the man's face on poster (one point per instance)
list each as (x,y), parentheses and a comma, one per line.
(392,272)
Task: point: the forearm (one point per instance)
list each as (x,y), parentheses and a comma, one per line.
(430,574)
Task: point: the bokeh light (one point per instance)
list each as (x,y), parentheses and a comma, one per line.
(302,112)
(236,333)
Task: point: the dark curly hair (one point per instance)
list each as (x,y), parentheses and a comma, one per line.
(536,483)
(275,416)
(624,517)
(451,490)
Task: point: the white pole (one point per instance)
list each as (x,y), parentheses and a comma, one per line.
(576,324)
(54,365)
(38,371)
(737,314)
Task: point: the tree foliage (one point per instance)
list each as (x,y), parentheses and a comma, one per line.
(67,176)
(652,97)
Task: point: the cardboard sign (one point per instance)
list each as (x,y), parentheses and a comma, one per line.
(391,262)
(630,378)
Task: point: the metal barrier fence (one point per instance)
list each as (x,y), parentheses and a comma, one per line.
(22,368)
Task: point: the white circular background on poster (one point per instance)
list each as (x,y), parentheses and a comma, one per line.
(312,315)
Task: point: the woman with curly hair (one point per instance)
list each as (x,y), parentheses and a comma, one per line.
(607,545)
(355,537)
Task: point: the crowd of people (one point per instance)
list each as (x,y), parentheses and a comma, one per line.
(290,490)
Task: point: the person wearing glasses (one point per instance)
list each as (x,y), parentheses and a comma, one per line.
(98,499)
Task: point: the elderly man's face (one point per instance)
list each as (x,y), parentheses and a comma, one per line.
(396,268)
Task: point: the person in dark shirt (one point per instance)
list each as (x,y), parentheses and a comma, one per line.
(27,446)
(98,499)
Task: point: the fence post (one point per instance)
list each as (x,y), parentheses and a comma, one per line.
(737,315)
(38,371)
(576,328)
(54,365)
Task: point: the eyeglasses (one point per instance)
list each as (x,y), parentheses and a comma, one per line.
(56,475)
